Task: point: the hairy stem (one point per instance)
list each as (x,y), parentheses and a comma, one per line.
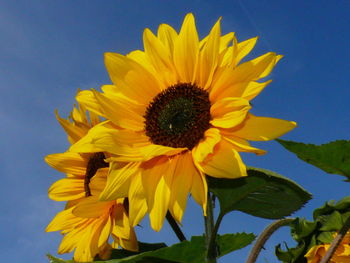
(336,241)
(175,227)
(210,236)
(264,236)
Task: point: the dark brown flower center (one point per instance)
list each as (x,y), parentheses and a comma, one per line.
(178,116)
(96,161)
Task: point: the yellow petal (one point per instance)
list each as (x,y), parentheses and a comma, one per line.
(118,180)
(64,220)
(168,36)
(120,111)
(263,128)
(242,145)
(87,98)
(186,50)
(67,189)
(255,69)
(105,232)
(68,162)
(253,89)
(160,58)
(182,182)
(74,132)
(229,112)
(137,200)
(225,162)
(132,78)
(208,58)
(162,196)
(206,146)
(91,207)
(199,190)
(129,146)
(86,144)
(141,58)
(243,49)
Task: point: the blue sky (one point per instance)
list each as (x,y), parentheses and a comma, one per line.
(49,49)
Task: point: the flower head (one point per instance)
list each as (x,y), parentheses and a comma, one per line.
(341,255)
(176,112)
(87,223)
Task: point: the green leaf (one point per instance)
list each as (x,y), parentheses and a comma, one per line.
(333,157)
(262,193)
(326,237)
(332,222)
(187,252)
(301,228)
(291,255)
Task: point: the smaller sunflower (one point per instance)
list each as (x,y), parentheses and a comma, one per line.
(86,222)
(341,255)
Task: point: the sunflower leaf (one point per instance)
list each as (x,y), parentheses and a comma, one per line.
(187,252)
(333,157)
(262,193)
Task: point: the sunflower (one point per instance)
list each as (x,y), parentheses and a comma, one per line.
(87,223)
(341,255)
(176,112)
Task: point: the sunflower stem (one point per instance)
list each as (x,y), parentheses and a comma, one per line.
(336,241)
(175,227)
(210,231)
(264,236)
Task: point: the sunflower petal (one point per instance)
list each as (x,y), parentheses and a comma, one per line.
(182,182)
(160,57)
(208,58)
(206,146)
(162,197)
(263,128)
(225,162)
(87,98)
(67,189)
(74,132)
(118,180)
(120,111)
(132,78)
(137,201)
(229,112)
(91,207)
(199,190)
(186,50)
(255,69)
(168,36)
(243,49)
(68,162)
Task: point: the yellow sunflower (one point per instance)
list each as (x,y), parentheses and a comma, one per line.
(87,223)
(176,112)
(341,255)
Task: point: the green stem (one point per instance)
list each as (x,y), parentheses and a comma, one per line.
(264,236)
(175,227)
(209,231)
(336,241)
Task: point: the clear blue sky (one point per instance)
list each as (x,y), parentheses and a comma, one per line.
(49,49)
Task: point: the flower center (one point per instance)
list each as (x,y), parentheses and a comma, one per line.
(178,116)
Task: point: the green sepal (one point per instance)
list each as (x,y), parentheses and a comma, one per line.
(332,157)
(325,237)
(262,193)
(332,222)
(290,255)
